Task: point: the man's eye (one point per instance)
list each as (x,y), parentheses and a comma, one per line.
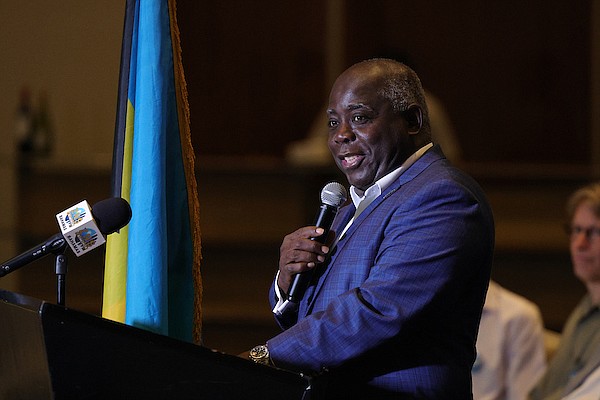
(359,118)
(332,123)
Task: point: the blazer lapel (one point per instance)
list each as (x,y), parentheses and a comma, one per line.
(422,163)
(321,275)
(342,219)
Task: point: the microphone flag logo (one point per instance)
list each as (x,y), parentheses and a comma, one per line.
(86,237)
(75,216)
(79,228)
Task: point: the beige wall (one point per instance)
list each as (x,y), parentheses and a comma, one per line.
(69,49)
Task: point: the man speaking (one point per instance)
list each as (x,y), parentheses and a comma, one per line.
(395,294)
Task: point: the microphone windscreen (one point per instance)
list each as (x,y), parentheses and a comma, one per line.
(111,214)
(334,194)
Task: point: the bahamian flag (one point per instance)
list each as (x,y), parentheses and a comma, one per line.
(152,273)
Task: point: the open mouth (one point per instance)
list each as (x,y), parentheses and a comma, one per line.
(352,161)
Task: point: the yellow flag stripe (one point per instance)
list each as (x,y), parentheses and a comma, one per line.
(115,272)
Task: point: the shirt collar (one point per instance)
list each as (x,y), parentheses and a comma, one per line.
(380,185)
(587,307)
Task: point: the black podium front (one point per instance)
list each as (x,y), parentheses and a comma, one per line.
(52,352)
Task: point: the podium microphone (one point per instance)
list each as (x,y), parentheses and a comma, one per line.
(82,228)
(333,195)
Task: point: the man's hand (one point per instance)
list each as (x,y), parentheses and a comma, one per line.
(298,253)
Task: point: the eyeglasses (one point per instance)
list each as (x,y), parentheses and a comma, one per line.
(589,233)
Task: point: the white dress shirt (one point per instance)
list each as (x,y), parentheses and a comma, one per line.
(510,347)
(361,201)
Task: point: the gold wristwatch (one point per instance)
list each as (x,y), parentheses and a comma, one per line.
(260,354)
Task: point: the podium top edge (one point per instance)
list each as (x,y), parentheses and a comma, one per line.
(21,300)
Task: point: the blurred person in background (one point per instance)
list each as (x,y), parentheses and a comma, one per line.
(511,356)
(577,358)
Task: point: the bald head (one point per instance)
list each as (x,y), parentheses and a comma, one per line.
(377,119)
(397,83)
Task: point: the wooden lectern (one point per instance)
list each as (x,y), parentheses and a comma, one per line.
(52,352)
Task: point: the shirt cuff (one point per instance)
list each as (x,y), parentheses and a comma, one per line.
(280,299)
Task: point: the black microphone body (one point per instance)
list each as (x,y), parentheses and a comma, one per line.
(110,214)
(333,196)
(55,244)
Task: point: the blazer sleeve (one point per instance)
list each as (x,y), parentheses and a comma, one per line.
(410,266)
(290,315)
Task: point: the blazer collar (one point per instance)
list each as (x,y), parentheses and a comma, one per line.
(432,155)
(345,214)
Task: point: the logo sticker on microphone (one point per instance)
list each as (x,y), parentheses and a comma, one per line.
(79,228)
(75,216)
(86,238)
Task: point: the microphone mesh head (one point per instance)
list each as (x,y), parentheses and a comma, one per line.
(111,214)
(334,194)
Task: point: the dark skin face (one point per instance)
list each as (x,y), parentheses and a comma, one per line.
(366,138)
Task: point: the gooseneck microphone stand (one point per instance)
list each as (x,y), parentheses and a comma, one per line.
(54,245)
(61,277)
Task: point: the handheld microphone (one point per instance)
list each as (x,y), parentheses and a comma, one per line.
(333,195)
(82,228)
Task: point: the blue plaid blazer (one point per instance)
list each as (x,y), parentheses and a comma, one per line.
(395,309)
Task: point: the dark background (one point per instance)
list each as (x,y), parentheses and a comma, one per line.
(514,76)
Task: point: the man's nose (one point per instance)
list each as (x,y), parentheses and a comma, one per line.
(344,133)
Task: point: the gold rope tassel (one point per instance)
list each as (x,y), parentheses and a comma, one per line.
(183,111)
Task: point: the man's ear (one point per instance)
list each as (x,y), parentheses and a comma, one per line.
(414,119)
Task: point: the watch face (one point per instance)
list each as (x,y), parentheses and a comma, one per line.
(260,354)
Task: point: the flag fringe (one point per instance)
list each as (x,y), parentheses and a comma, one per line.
(183,112)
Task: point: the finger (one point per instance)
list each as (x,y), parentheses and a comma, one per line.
(308,252)
(298,267)
(307,232)
(300,241)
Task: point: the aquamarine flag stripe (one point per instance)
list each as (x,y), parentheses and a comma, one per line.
(159,249)
(180,253)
